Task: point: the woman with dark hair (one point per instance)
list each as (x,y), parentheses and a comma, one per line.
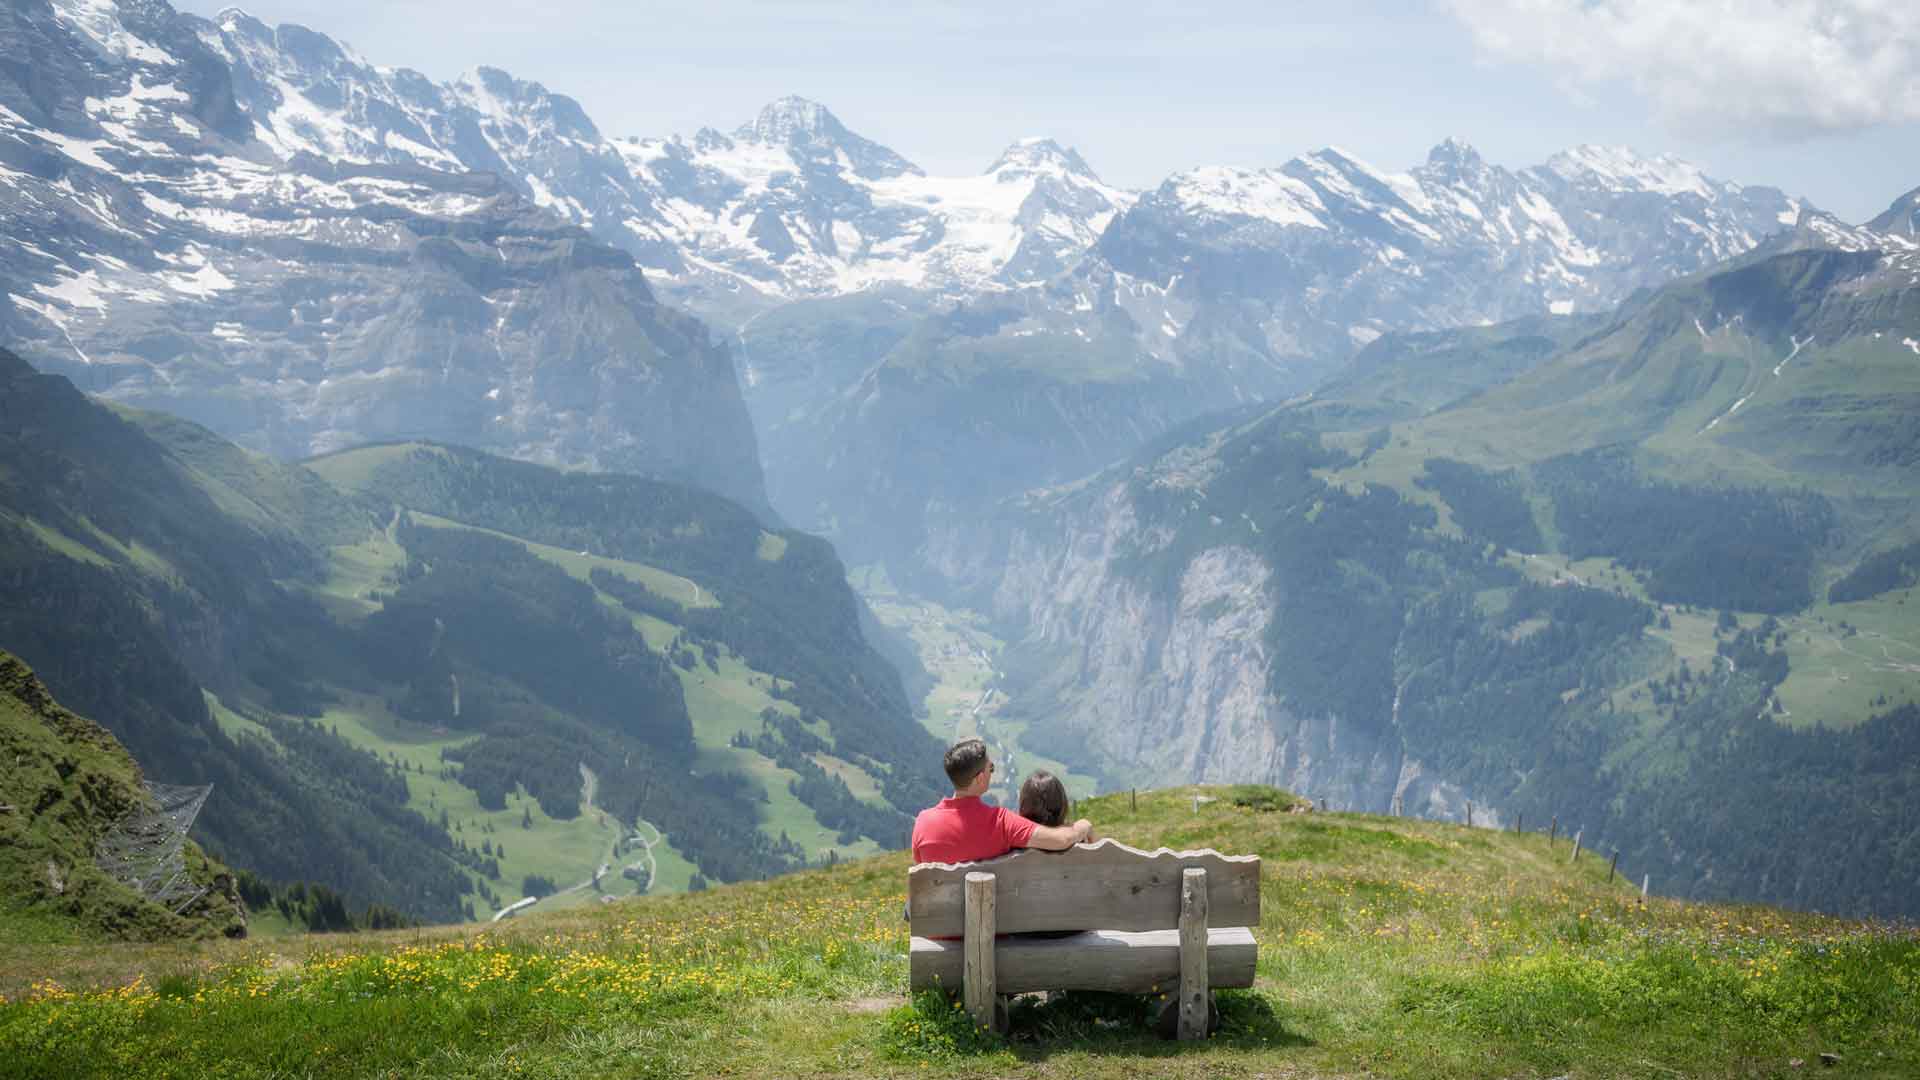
(1043,800)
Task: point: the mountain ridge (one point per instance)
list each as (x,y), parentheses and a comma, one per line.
(302,302)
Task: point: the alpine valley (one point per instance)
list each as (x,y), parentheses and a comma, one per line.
(415,463)
(437,681)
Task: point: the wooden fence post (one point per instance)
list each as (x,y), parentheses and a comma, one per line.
(1469,813)
(1611,865)
(1133,798)
(1553,831)
(1519,820)
(978,976)
(1194,996)
(1576,845)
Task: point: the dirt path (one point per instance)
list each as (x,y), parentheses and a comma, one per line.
(646,855)
(589,787)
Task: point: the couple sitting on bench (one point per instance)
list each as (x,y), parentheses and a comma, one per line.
(965,829)
(1005,903)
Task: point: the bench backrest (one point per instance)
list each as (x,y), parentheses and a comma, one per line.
(1100,886)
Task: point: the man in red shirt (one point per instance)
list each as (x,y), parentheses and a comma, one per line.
(965,829)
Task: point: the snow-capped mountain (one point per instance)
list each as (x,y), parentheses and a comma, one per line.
(1226,286)
(793,205)
(160,247)
(790,205)
(1326,252)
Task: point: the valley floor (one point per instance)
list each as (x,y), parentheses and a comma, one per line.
(968,698)
(1389,947)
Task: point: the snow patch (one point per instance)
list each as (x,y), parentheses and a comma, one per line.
(1561,307)
(203,282)
(84,151)
(46,311)
(1911,344)
(98,21)
(139,96)
(421,152)
(1621,169)
(1403,186)
(846,239)
(82,290)
(1263,194)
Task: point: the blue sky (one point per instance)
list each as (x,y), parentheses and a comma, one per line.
(1821,99)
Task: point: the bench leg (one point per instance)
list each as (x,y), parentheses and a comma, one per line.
(1194,998)
(1166,1022)
(978,977)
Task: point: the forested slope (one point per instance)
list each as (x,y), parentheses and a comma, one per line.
(375,693)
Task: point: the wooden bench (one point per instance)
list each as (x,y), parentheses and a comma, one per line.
(1144,922)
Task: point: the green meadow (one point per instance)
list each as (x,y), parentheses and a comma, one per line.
(1388,948)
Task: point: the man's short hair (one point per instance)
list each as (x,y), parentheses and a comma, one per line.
(964,761)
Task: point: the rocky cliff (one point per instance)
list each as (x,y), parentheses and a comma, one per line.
(1149,685)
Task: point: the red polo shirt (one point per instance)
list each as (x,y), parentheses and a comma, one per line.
(967,830)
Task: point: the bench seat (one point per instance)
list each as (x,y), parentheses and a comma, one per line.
(1132,963)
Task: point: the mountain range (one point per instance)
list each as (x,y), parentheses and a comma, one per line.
(305,250)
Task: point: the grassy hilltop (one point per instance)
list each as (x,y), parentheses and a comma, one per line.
(1389,948)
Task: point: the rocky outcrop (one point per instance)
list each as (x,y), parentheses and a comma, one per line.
(67,782)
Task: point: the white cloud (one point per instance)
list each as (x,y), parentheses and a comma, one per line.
(1782,68)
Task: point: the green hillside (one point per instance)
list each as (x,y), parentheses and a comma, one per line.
(1403,376)
(1789,370)
(67,784)
(1660,583)
(438,681)
(1388,947)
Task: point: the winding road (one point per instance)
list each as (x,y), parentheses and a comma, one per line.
(589,787)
